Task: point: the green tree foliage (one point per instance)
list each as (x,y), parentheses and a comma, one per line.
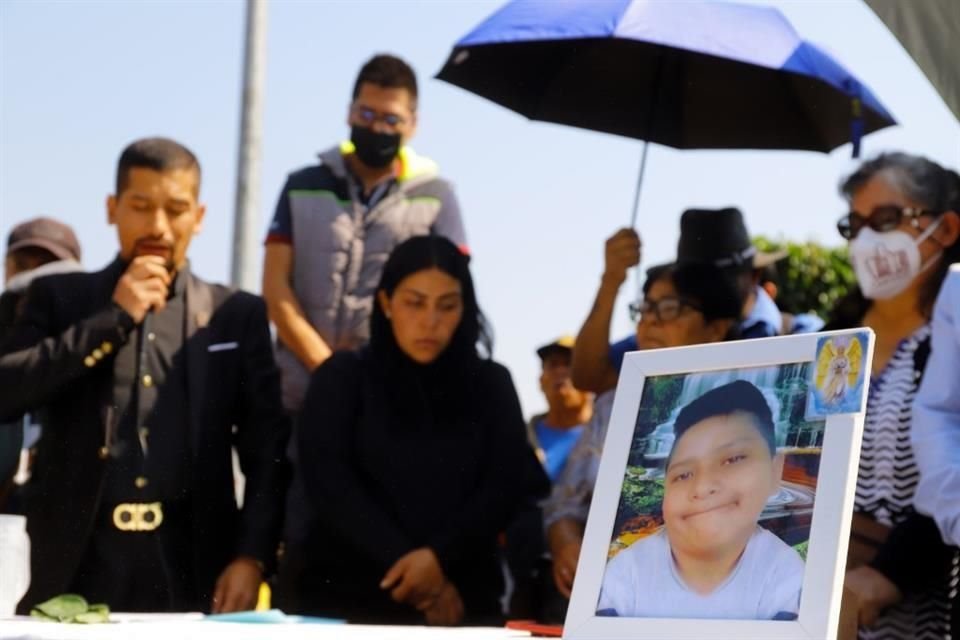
(811,278)
(642,495)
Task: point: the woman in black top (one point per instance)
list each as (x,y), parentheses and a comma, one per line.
(413,453)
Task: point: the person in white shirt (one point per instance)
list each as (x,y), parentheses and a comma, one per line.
(711,559)
(936,417)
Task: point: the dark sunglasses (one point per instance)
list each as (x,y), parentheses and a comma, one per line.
(883,218)
(664,309)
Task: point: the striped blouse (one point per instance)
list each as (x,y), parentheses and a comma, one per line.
(887,482)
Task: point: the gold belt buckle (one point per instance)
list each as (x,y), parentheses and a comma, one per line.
(137,516)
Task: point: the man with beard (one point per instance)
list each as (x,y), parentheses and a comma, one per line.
(147,377)
(334,226)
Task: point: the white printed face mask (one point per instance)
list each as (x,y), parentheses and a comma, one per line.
(886,263)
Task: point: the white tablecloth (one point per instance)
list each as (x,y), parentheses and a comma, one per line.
(193,627)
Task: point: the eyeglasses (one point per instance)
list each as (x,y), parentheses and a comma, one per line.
(883,218)
(369,116)
(664,309)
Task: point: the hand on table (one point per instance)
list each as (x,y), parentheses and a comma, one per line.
(238,587)
(447,608)
(416,578)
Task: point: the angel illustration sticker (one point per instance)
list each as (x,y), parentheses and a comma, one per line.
(838,381)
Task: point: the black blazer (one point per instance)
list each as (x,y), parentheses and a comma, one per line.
(58,360)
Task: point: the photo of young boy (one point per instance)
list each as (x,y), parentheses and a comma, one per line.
(711,559)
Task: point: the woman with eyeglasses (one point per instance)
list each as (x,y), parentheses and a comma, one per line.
(903,229)
(414,453)
(682,305)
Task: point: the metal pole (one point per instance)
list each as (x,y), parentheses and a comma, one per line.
(246,227)
(636,195)
(648,132)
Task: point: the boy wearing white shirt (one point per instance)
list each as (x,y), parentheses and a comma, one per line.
(711,559)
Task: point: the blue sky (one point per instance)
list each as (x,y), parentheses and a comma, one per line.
(79,80)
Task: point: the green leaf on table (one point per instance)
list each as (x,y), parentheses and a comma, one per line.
(40,615)
(71,607)
(63,607)
(92,617)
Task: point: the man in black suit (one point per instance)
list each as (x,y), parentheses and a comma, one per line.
(146,378)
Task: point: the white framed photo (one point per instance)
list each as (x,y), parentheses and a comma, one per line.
(723,500)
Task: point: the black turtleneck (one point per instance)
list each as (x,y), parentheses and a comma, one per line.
(397,456)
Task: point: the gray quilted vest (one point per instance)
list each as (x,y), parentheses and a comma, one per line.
(340,248)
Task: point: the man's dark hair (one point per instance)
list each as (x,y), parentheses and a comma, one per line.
(159,154)
(389,72)
(767,274)
(743,278)
(739,396)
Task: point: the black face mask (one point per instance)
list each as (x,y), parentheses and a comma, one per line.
(376,150)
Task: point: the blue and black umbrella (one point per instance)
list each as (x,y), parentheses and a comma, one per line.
(689,75)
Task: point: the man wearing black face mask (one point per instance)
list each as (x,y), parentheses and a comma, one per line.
(337,221)
(334,226)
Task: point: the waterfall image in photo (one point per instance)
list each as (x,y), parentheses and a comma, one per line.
(787,512)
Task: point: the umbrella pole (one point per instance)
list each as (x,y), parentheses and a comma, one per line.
(636,195)
(655,98)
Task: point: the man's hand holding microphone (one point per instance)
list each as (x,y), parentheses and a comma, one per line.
(143,287)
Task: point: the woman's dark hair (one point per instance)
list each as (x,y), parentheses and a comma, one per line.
(713,289)
(658,272)
(433,252)
(935,188)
